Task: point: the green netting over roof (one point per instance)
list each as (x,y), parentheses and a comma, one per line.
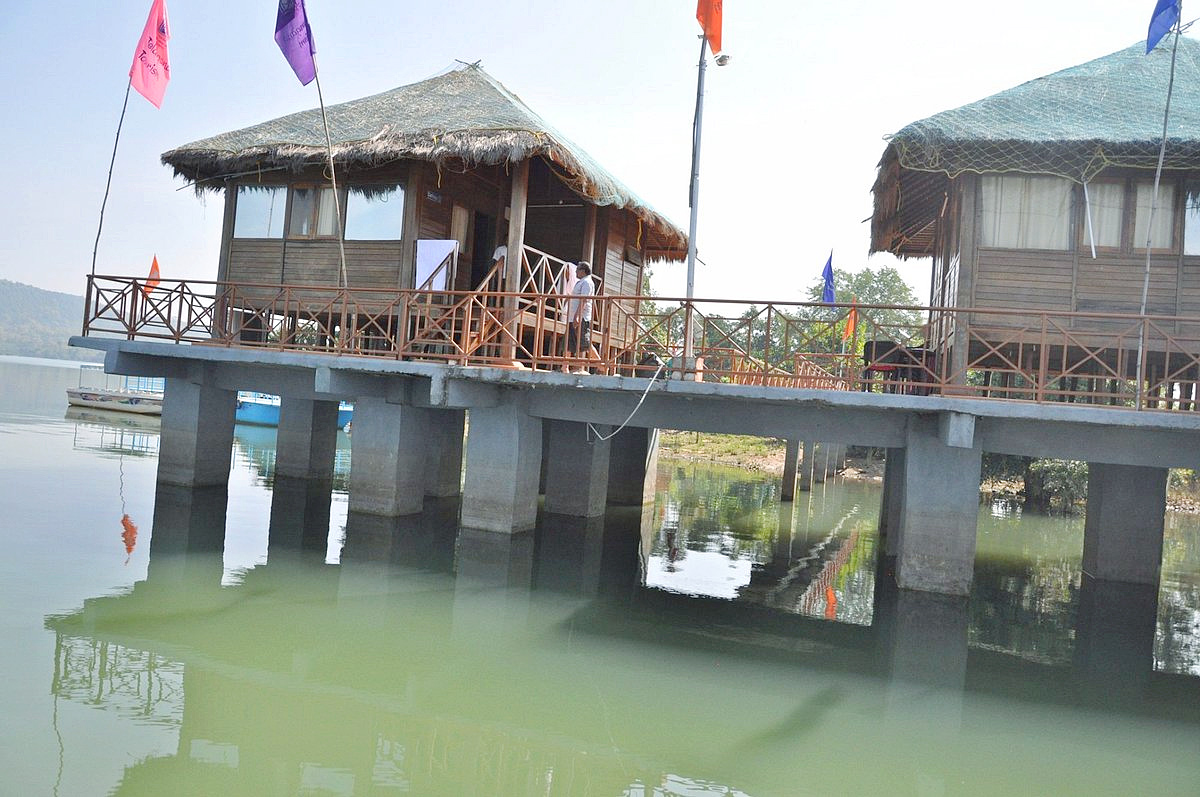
(1073,123)
(464,115)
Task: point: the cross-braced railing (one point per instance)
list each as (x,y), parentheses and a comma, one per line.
(966,352)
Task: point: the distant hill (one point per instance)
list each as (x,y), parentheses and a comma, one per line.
(37,323)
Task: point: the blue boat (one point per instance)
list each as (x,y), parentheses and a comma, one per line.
(262,409)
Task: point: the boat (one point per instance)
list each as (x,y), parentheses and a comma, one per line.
(140,395)
(144,396)
(262,409)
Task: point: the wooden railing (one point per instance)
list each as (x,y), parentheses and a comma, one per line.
(999,354)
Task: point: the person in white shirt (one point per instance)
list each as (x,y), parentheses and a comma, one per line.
(579,315)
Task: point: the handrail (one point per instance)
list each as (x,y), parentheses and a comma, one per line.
(1026,355)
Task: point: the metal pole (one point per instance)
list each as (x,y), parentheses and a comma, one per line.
(693,202)
(1162,151)
(337,202)
(108,185)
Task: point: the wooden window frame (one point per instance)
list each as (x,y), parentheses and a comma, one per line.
(315,215)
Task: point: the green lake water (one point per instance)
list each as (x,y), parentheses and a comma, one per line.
(261,641)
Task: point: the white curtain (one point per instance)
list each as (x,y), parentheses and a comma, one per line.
(1108,206)
(326,214)
(1026,212)
(1164,216)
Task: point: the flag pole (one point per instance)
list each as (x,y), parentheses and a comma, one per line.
(337,202)
(1162,151)
(693,203)
(111,164)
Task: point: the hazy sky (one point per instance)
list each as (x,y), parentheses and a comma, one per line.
(794,125)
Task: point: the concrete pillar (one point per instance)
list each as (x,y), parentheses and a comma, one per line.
(576,470)
(196,442)
(892,508)
(1123,531)
(504,455)
(940,508)
(306,439)
(791,459)
(632,466)
(388,457)
(807,456)
(445,453)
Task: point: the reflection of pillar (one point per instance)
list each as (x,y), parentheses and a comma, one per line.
(188,535)
(299,515)
(1114,633)
(306,439)
(576,470)
(196,442)
(494,577)
(445,453)
(569,553)
(633,466)
(387,463)
(1123,531)
(924,638)
(624,531)
(892,506)
(504,455)
(940,510)
(791,458)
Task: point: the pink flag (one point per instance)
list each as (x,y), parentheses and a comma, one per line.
(151,69)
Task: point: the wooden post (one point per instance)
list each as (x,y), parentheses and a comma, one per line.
(413,200)
(518,204)
(589,236)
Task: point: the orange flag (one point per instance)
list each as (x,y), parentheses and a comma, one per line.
(152,280)
(151,69)
(708,14)
(851,322)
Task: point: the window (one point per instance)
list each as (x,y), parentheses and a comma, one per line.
(1025,212)
(314,213)
(1191,220)
(375,216)
(1163,234)
(1106,207)
(259,211)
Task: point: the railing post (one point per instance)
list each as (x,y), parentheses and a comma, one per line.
(1043,363)
(1141,364)
(87,304)
(688,337)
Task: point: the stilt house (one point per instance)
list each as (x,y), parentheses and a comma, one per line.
(1038,199)
(457,164)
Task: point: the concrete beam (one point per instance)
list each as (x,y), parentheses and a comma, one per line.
(576,470)
(387,466)
(504,455)
(940,512)
(1123,531)
(633,467)
(306,438)
(196,438)
(956,429)
(1088,442)
(442,391)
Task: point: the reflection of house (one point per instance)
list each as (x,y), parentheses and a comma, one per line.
(1038,198)
(455,157)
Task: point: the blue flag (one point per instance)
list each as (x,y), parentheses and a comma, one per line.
(827,295)
(1166,14)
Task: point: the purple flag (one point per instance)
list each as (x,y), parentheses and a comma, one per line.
(294,38)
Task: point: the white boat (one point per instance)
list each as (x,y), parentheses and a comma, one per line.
(141,395)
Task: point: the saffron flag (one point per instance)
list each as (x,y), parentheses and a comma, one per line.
(851,322)
(827,295)
(151,68)
(708,14)
(294,38)
(152,280)
(1166,14)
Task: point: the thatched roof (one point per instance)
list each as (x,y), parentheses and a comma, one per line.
(464,115)
(1073,124)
